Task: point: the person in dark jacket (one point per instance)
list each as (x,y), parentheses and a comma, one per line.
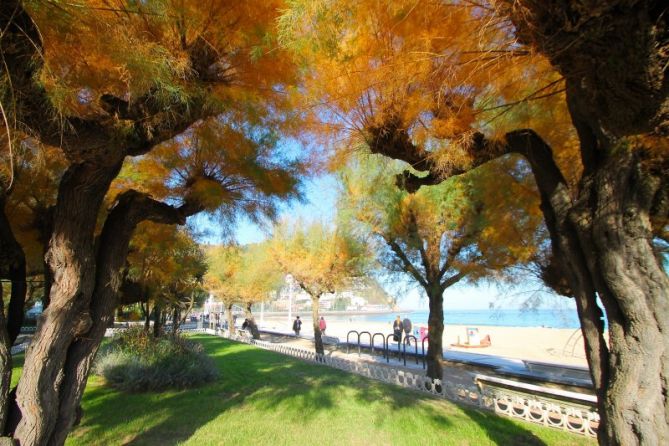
(406,323)
(297,326)
(397,329)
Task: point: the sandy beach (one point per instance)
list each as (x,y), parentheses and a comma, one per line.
(554,345)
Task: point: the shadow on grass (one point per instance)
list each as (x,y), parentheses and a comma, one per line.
(270,384)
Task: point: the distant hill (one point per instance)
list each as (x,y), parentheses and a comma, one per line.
(369,289)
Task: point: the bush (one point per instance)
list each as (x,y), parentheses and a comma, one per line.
(135,361)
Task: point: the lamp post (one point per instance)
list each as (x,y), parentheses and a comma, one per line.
(289,277)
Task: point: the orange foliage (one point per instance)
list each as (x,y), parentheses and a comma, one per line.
(443,69)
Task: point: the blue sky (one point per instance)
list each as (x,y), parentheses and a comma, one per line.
(319,204)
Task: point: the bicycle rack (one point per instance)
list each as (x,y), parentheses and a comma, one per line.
(407,340)
(383,340)
(388,347)
(360,335)
(347,343)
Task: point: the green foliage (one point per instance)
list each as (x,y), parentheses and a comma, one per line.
(467,227)
(135,361)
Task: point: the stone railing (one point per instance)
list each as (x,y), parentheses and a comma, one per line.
(550,412)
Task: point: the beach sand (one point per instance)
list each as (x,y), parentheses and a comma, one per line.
(554,345)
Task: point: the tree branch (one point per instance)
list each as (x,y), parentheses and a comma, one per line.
(452,280)
(408,266)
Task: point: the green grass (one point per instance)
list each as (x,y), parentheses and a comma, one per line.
(263,398)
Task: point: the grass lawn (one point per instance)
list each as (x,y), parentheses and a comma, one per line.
(263,398)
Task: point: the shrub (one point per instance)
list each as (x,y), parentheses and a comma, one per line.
(135,361)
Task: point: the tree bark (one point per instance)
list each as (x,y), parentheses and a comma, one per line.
(71,258)
(603,237)
(252,322)
(318,336)
(616,238)
(130,209)
(5,367)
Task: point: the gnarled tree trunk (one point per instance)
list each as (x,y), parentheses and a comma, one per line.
(614,58)
(5,367)
(131,208)
(613,224)
(71,256)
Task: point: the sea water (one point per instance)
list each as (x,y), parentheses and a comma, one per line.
(558,318)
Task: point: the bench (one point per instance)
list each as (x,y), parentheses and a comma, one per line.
(532,389)
(244,333)
(330,340)
(566,371)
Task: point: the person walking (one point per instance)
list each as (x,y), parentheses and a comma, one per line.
(406,323)
(322,325)
(297,326)
(397,329)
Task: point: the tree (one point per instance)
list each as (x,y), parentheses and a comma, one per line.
(244,275)
(106,84)
(223,265)
(25,203)
(166,266)
(441,235)
(438,109)
(320,259)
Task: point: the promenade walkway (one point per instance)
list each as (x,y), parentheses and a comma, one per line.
(458,366)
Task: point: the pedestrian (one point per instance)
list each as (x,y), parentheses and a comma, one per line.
(397,329)
(406,323)
(322,325)
(297,326)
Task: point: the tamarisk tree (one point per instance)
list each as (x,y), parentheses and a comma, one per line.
(441,235)
(244,275)
(320,258)
(580,90)
(108,86)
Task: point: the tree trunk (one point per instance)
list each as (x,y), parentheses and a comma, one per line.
(147,316)
(72,261)
(618,100)
(48,280)
(175,321)
(231,320)
(5,367)
(435,321)
(12,267)
(616,239)
(157,321)
(252,322)
(318,336)
(603,239)
(131,208)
